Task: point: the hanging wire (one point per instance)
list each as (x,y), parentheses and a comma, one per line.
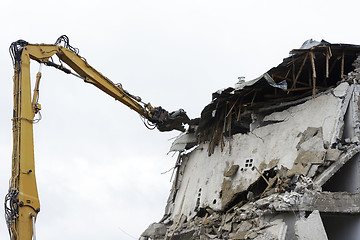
(147,123)
(38,119)
(11,211)
(126,233)
(36,101)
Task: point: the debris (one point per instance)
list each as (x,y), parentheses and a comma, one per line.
(155,230)
(184,141)
(332,154)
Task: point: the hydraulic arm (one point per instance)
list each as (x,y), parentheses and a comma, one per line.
(22,202)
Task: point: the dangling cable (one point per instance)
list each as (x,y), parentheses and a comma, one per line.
(65,40)
(16,50)
(147,124)
(35,101)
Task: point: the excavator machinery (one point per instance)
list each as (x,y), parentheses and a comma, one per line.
(21,202)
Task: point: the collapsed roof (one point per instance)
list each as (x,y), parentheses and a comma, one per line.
(314,68)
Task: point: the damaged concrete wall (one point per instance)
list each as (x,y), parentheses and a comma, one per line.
(260,164)
(295,142)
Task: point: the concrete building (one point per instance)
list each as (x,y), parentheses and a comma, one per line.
(275,157)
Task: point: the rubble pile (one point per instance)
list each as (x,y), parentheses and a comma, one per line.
(247,221)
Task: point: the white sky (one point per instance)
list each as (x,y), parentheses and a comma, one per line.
(98,168)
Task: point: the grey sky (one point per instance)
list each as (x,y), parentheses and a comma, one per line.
(98,168)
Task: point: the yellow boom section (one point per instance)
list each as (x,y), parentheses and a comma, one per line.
(42,53)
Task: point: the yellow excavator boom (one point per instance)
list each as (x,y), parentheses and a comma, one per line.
(22,202)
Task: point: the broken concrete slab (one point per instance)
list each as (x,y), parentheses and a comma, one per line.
(232,171)
(340,90)
(155,230)
(332,154)
(329,202)
(277,230)
(244,226)
(311,157)
(313,170)
(310,228)
(337,132)
(311,133)
(330,171)
(277,116)
(238,235)
(184,141)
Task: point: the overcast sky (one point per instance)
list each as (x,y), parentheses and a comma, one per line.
(98,168)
